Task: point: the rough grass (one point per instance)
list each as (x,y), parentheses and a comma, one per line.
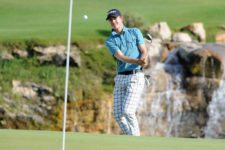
(87,82)
(49,140)
(47,20)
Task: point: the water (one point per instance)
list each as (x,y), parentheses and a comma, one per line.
(165,103)
(170,109)
(216,124)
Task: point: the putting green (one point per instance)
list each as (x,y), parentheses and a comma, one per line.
(50,140)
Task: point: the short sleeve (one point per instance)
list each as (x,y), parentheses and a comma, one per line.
(140,38)
(111,46)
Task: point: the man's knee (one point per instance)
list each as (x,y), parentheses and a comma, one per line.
(129,114)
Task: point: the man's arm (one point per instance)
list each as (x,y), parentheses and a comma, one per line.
(144,55)
(119,55)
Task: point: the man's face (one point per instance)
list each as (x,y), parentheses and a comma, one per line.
(116,23)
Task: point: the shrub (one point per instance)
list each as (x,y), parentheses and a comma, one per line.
(131,20)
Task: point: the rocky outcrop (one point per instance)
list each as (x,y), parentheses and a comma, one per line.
(92,116)
(31,90)
(47,55)
(30,106)
(197,29)
(182,87)
(220,37)
(6,56)
(20,53)
(156,51)
(58,55)
(181,37)
(161,30)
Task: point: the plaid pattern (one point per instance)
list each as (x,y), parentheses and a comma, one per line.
(127,93)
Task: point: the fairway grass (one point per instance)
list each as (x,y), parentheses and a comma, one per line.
(50,140)
(48,19)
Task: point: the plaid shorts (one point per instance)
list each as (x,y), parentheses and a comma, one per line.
(127,93)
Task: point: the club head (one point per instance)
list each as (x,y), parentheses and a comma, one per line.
(149,38)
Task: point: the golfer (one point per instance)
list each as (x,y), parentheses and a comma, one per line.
(127,46)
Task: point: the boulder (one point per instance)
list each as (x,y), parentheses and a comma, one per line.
(29,106)
(58,55)
(181,37)
(201,87)
(6,56)
(51,50)
(30,90)
(20,53)
(160,30)
(205,63)
(60,59)
(189,46)
(197,29)
(156,52)
(220,37)
(217,48)
(197,61)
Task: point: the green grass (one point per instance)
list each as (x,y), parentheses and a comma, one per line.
(49,140)
(47,20)
(93,77)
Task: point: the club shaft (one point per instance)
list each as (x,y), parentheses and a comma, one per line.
(67,73)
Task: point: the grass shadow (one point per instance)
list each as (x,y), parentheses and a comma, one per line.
(105,33)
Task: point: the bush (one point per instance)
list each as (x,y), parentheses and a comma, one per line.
(131,20)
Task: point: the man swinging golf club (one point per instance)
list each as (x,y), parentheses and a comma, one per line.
(127,46)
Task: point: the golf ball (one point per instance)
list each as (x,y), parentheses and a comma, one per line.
(85,17)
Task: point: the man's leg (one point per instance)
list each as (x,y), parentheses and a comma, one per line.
(119,94)
(133,94)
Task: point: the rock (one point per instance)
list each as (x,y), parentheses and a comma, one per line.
(6,56)
(189,46)
(179,55)
(218,49)
(58,55)
(198,61)
(197,29)
(45,59)
(75,59)
(181,37)
(205,63)
(51,50)
(201,88)
(60,59)
(192,46)
(92,116)
(2,112)
(20,53)
(156,52)
(181,88)
(220,37)
(30,90)
(160,30)
(25,91)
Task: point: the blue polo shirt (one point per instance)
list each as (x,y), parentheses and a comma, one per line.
(127,42)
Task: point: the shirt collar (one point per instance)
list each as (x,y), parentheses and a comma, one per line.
(124,30)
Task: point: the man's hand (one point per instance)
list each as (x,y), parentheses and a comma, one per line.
(141,61)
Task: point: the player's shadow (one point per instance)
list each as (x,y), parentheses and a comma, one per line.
(105,33)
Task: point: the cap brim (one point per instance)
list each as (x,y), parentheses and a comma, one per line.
(111,16)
